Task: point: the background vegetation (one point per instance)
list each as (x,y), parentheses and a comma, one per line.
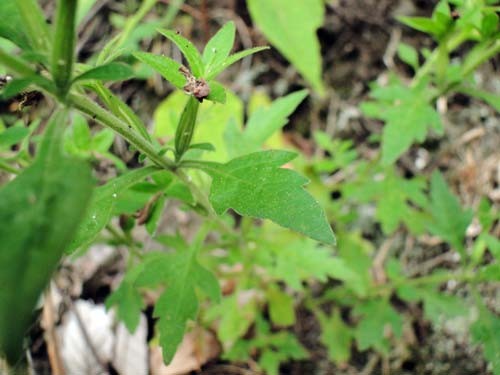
(152,164)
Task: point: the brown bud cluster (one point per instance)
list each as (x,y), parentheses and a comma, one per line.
(197,87)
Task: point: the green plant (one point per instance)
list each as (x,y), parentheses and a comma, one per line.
(200,154)
(402,205)
(50,204)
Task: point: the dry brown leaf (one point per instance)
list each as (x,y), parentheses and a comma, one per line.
(197,348)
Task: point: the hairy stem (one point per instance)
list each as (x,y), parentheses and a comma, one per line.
(96,112)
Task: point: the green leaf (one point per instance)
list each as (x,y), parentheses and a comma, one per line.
(217,92)
(291,25)
(235,318)
(423,24)
(12,136)
(39,211)
(128,303)
(168,68)
(212,117)
(205,146)
(375,316)
(102,140)
(449,221)
(119,108)
(188,50)
(155,215)
(13,29)
(336,336)
(409,55)
(83,8)
(233,59)
(302,259)
(489,98)
(281,307)
(103,203)
(254,185)
(108,72)
(485,331)
(263,123)
(16,86)
(438,306)
(218,48)
(408,117)
(182,273)
(81,132)
(399,206)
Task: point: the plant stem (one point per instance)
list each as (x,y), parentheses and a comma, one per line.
(64,46)
(451,44)
(202,199)
(485,56)
(99,114)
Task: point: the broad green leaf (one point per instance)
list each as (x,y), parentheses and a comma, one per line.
(233,59)
(399,206)
(12,29)
(108,72)
(281,307)
(263,123)
(449,220)
(129,303)
(39,211)
(168,68)
(182,273)
(438,306)
(12,136)
(103,203)
(408,117)
(189,51)
(341,153)
(218,48)
(280,347)
(255,185)
(291,25)
(235,318)
(375,316)
(207,282)
(336,336)
(485,331)
(126,298)
(356,253)
(300,259)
